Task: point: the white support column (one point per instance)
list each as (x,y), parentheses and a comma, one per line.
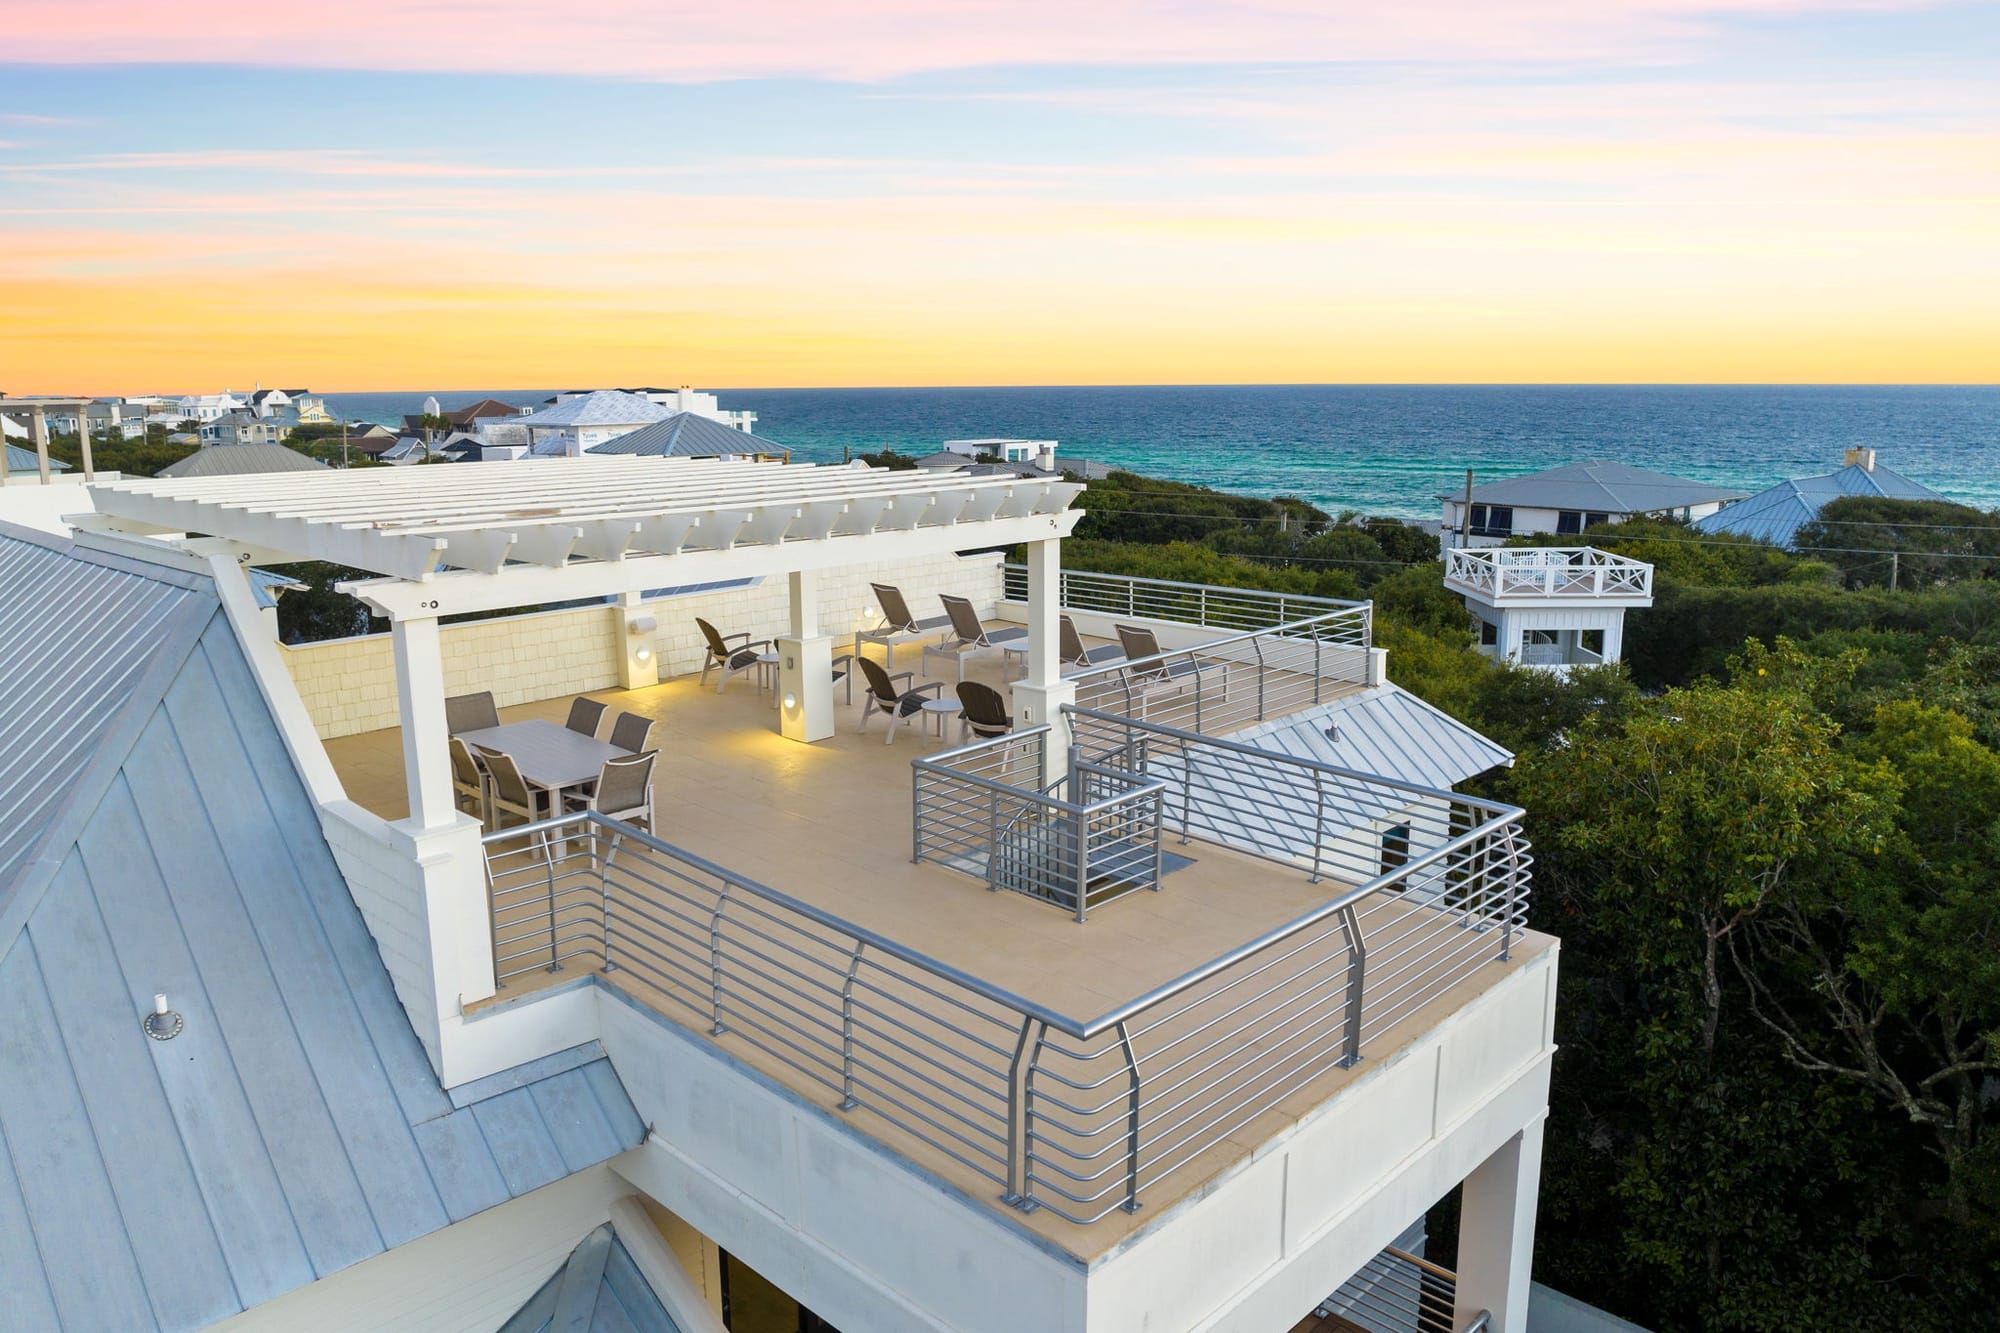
(638,655)
(40,421)
(83,437)
(1614,637)
(1039,698)
(1510,637)
(805,666)
(1496,1233)
(420,696)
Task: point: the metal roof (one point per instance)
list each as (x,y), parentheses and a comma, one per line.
(598,1289)
(1388,731)
(601,407)
(236,460)
(1777,514)
(688,435)
(26,460)
(294,1126)
(1610,488)
(592,520)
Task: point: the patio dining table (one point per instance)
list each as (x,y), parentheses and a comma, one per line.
(549,755)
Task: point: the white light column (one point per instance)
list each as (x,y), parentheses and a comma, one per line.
(638,660)
(805,666)
(1496,1233)
(1039,699)
(426,742)
(83,438)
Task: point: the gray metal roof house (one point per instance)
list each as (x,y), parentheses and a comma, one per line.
(280,1122)
(1777,514)
(227,460)
(1573,498)
(688,435)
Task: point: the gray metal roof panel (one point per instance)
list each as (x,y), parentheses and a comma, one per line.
(687,435)
(228,460)
(1603,487)
(1775,515)
(599,1289)
(27,460)
(294,1127)
(1388,731)
(601,407)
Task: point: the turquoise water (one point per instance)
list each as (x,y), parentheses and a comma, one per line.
(1389,449)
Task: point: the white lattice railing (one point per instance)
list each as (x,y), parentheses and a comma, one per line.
(1500,572)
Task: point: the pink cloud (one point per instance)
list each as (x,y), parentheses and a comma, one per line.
(862,39)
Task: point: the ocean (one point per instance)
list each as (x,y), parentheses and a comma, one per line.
(1385,449)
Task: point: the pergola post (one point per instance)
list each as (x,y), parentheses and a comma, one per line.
(83,438)
(638,661)
(40,420)
(805,666)
(420,697)
(1039,699)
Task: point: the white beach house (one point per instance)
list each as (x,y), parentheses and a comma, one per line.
(1574,499)
(503,972)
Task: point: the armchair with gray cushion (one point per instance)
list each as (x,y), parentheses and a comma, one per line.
(733,653)
(892,696)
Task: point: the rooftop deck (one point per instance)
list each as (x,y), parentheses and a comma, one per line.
(1511,575)
(829,826)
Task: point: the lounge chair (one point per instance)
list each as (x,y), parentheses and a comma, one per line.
(1148,674)
(632,732)
(1074,654)
(968,635)
(724,651)
(469,781)
(898,625)
(886,696)
(624,790)
(586,715)
(470,712)
(985,714)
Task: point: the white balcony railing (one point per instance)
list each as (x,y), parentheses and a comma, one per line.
(1529,572)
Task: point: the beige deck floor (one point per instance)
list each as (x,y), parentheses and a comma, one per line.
(829,823)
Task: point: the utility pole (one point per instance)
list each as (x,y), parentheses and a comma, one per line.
(343,441)
(1895,568)
(1465,514)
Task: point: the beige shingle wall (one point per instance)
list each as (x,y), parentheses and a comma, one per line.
(349,685)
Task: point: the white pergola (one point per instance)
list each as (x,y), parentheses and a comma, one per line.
(450,539)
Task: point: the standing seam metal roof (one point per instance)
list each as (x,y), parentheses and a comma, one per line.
(1777,514)
(294,1126)
(26,460)
(603,407)
(687,435)
(1613,488)
(228,460)
(597,1290)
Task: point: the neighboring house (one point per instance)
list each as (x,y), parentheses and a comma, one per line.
(682,399)
(1038,453)
(208,406)
(1573,499)
(462,418)
(21,460)
(573,425)
(1777,514)
(690,435)
(411,449)
(230,460)
(245,426)
(1552,607)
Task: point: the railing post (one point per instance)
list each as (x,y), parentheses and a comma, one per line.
(1512,897)
(1187,794)
(549,860)
(1258,644)
(1131,1204)
(1159,852)
(1017,1122)
(1319,643)
(847,1101)
(1319,821)
(1080,834)
(1357,975)
(992,839)
(717,1028)
(604,898)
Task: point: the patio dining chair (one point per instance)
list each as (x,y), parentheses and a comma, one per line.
(469,781)
(511,799)
(586,715)
(733,653)
(632,732)
(898,624)
(985,714)
(886,694)
(968,635)
(470,712)
(623,791)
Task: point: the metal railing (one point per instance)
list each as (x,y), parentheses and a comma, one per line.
(985,809)
(1398,1292)
(1236,680)
(1078,1116)
(1190,603)
(1499,572)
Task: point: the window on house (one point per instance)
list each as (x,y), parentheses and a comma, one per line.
(1591,641)
(1492,520)
(1569,521)
(1489,633)
(1395,848)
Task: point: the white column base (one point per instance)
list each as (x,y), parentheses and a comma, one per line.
(1496,1233)
(805,687)
(1035,705)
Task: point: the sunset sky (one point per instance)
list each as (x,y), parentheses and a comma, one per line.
(386,194)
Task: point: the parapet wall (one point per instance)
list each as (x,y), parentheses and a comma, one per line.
(349,685)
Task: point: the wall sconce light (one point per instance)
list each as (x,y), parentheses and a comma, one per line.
(644,654)
(791,703)
(638,625)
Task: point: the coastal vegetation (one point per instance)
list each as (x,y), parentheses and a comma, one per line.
(1767,844)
